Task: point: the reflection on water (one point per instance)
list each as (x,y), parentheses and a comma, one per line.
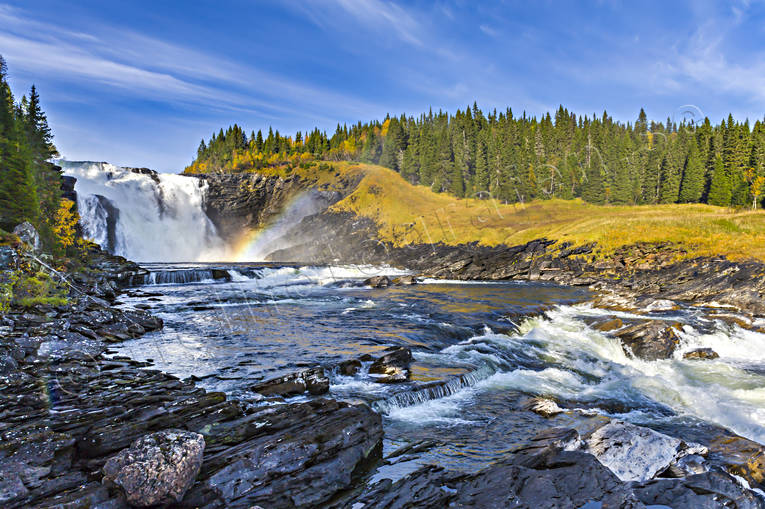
(477,355)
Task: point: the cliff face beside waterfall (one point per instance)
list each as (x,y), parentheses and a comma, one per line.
(239,204)
(149,216)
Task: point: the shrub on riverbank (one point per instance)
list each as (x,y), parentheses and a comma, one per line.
(38,288)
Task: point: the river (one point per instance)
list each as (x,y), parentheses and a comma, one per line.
(494,344)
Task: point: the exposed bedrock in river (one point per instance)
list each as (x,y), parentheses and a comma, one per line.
(550,472)
(80,429)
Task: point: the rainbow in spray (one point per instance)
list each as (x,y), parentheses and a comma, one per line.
(256,245)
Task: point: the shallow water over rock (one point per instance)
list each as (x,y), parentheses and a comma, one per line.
(480,350)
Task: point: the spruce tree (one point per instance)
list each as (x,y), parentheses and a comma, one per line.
(669,180)
(720,186)
(481,167)
(519,158)
(18,193)
(593,190)
(692,183)
(392,146)
(259,141)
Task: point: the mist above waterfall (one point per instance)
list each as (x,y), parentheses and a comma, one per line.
(277,235)
(143,215)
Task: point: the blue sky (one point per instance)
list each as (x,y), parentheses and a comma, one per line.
(140,83)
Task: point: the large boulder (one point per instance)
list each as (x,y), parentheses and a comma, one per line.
(650,340)
(158,468)
(349,367)
(635,453)
(542,406)
(27,233)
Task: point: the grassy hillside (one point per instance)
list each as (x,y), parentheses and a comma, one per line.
(406,213)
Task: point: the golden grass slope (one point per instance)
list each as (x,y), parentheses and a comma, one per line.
(406,213)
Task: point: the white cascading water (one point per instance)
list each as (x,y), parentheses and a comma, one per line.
(586,365)
(155,217)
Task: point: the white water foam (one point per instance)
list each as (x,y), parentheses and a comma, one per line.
(319,276)
(589,366)
(237,276)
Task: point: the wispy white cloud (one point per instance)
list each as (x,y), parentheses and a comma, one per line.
(376,15)
(707,62)
(488,30)
(710,60)
(146,67)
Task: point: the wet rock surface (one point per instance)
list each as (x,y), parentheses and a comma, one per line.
(701,353)
(393,365)
(79,429)
(740,457)
(701,491)
(313,381)
(378,282)
(156,469)
(635,453)
(65,410)
(650,340)
(551,472)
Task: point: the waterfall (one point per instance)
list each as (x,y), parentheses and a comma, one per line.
(143,215)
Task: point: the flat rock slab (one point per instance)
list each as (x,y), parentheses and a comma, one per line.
(313,381)
(711,490)
(285,456)
(392,366)
(635,453)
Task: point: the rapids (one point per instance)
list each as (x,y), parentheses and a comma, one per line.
(479,349)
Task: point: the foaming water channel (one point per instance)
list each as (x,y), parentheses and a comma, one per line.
(480,350)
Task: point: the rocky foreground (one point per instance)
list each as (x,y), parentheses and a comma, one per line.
(81,428)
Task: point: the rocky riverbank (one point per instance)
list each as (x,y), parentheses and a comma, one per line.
(81,427)
(630,278)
